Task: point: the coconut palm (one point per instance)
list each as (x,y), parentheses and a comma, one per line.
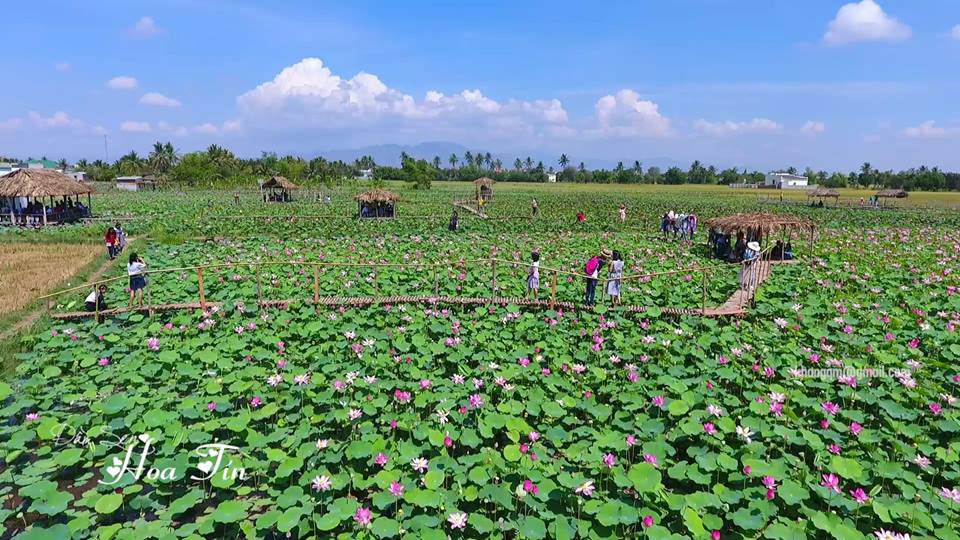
(452,160)
(563,161)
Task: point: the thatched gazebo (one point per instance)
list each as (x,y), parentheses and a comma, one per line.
(890,193)
(278,189)
(26,193)
(484,187)
(824,193)
(758,227)
(377,203)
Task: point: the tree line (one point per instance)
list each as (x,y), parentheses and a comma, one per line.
(218,166)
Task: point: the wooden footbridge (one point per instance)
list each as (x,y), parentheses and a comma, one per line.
(753,274)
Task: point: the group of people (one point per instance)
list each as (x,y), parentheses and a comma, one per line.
(65,211)
(136,269)
(115,239)
(682,226)
(592,270)
(737,251)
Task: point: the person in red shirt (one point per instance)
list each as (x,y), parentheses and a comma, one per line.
(581,217)
(110,238)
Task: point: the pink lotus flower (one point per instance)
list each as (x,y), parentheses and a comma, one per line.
(104,361)
(747,470)
(834,449)
(855,428)
(396,489)
(769,482)
(830,407)
(585,489)
(935,408)
(530,487)
(715,535)
(153,344)
(212,406)
(447,441)
(831,482)
(419,464)
(631,440)
(401,396)
(457,520)
(321,483)
(859,495)
(424,384)
(824,424)
(533,436)
(363,516)
(647,521)
(657,401)
(32,417)
(651,459)
(381,459)
(255,401)
(709,428)
(476,401)
(609,460)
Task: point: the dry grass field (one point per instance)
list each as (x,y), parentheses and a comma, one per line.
(30,270)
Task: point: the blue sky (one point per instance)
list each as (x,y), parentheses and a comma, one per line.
(757,83)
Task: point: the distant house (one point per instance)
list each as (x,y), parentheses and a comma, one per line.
(365,174)
(782,180)
(79,176)
(551,177)
(136,183)
(6,168)
(41,164)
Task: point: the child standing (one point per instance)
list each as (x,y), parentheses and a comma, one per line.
(137,280)
(613,279)
(110,239)
(533,275)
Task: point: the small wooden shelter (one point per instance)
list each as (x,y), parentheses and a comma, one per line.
(278,189)
(42,196)
(761,225)
(890,193)
(377,203)
(484,187)
(824,193)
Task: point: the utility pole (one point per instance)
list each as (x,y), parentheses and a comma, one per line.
(106,155)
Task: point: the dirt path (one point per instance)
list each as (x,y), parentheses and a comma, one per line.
(31,317)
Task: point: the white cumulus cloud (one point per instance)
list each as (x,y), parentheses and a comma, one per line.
(626,114)
(308,95)
(10,124)
(122,82)
(131,126)
(864,21)
(757,125)
(930,130)
(145,28)
(58,119)
(813,127)
(955,32)
(157,99)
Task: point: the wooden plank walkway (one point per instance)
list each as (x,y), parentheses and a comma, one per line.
(468,208)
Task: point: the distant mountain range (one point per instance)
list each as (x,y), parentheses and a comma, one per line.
(389,154)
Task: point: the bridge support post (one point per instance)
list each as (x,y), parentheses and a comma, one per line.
(553,291)
(203,299)
(259,288)
(493,270)
(316,286)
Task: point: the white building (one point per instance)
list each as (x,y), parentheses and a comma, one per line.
(79,176)
(129,183)
(781,180)
(551,177)
(365,174)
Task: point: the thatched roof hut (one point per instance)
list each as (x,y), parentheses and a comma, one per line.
(28,192)
(377,195)
(41,183)
(484,181)
(377,203)
(891,194)
(758,226)
(823,193)
(279,182)
(484,189)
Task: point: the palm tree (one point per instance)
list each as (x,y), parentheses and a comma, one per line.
(452,160)
(582,167)
(404,156)
(529,163)
(82,165)
(563,161)
(497,164)
(62,164)
(436,162)
(488,159)
(517,164)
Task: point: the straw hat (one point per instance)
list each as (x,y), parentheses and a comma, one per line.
(606,253)
(753,246)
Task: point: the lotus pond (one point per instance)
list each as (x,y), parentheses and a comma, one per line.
(830,411)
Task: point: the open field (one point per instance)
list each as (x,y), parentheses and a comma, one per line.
(30,270)
(416,421)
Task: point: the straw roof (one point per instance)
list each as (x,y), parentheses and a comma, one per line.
(377,195)
(760,221)
(279,182)
(824,192)
(484,181)
(40,183)
(896,193)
